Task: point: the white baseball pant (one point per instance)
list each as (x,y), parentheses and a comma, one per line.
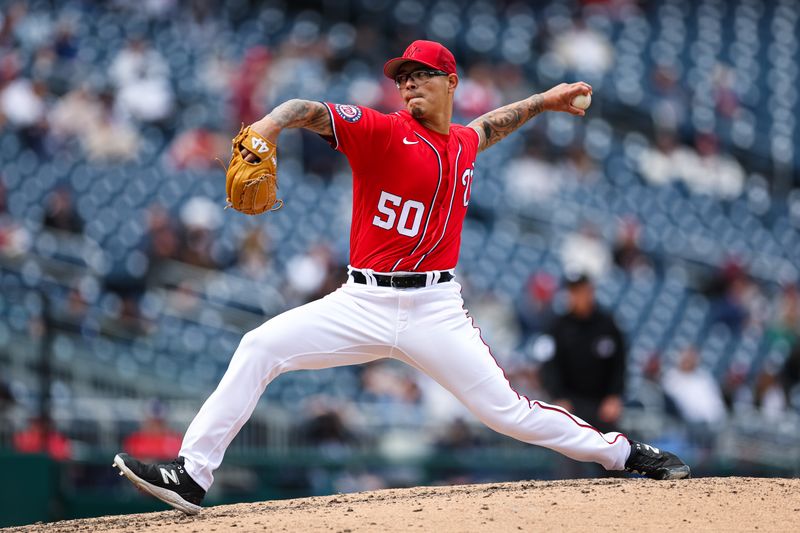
(428,328)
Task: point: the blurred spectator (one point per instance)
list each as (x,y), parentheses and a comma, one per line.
(6,398)
(196,247)
(255,257)
(12,15)
(154,440)
(318,162)
(325,429)
(384,382)
(790,376)
(627,253)
(41,436)
(534,309)
(141,76)
(65,44)
(477,93)
(650,393)
(585,251)
(496,315)
(670,101)
(308,272)
(185,299)
(390,100)
(584,50)
(75,113)
(110,138)
(722,290)
(704,169)
(217,73)
(770,397)
(22,102)
(14,238)
(76,307)
(785,326)
(726,97)
(60,212)
(9,70)
(578,166)
(3,197)
(300,62)
(694,390)
(160,9)
(512,82)
(458,435)
(7,402)
(736,299)
(52,61)
(737,393)
(715,172)
(200,217)
(121,315)
(367,91)
(249,85)
(198,148)
(659,164)
(585,372)
(161,240)
(531,178)
(5,219)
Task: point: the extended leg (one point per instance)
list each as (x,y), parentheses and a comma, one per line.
(321,334)
(449,349)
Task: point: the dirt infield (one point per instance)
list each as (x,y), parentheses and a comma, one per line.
(706,504)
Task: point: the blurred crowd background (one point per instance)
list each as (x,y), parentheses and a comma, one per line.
(663,230)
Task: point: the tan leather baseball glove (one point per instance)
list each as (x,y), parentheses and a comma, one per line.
(252,188)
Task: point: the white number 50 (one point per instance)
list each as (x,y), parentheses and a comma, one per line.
(391,215)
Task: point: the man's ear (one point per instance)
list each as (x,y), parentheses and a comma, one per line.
(452,82)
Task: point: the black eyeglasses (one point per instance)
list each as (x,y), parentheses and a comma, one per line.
(418,76)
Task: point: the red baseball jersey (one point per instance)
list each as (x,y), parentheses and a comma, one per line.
(411,188)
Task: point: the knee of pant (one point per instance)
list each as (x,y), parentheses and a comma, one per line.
(500,424)
(503,420)
(255,348)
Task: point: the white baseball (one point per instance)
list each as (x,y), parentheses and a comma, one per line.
(582,101)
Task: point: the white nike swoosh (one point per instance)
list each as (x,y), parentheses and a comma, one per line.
(406,141)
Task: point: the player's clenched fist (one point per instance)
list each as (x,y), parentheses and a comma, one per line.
(562,97)
(252,174)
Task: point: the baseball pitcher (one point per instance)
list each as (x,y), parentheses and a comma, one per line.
(412,178)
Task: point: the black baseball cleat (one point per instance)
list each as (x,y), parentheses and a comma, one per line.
(651,462)
(168,482)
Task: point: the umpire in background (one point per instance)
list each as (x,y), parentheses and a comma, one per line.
(584,350)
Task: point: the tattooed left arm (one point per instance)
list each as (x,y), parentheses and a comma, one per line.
(495,125)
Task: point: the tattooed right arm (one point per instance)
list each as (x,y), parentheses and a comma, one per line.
(313,116)
(295,113)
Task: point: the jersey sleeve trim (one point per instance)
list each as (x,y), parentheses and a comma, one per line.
(333,125)
(478,135)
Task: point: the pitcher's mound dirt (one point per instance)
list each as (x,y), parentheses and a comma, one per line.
(706,504)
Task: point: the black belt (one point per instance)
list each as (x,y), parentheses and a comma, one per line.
(400,281)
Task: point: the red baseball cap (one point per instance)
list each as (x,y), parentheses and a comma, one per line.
(429,53)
